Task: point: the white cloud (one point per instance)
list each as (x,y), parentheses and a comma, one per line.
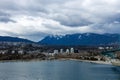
(34,19)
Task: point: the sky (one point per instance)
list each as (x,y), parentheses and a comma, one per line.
(35,19)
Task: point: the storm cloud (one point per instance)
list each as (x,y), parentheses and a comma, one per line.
(35,19)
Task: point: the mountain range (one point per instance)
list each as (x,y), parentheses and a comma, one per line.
(81,39)
(70,39)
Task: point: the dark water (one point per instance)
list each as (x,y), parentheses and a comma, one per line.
(57,70)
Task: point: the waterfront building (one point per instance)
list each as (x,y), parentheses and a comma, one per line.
(51,54)
(101,48)
(55,51)
(61,51)
(20,52)
(67,51)
(3,52)
(72,50)
(13,52)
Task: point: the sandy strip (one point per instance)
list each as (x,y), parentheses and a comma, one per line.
(96,62)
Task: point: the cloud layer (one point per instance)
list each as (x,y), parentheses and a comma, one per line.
(34,19)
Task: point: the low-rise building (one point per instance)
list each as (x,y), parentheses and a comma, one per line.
(20,52)
(100,48)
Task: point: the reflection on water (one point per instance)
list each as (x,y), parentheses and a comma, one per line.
(57,70)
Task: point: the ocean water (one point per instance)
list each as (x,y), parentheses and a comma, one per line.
(57,70)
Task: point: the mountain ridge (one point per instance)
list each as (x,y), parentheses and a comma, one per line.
(81,39)
(14,39)
(70,39)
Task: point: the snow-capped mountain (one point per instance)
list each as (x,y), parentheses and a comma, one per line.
(81,39)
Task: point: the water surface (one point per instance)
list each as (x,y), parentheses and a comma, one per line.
(57,70)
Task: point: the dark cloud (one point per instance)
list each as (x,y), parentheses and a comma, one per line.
(73,21)
(2,13)
(6,20)
(5,17)
(34,18)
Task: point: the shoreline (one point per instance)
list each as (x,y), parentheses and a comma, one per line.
(64,59)
(89,61)
(27,60)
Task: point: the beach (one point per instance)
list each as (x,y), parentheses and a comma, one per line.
(89,61)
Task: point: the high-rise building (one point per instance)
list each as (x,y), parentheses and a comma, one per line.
(61,51)
(67,51)
(72,50)
(55,51)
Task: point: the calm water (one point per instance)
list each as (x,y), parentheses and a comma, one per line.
(57,70)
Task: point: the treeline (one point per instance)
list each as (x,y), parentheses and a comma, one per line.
(22,56)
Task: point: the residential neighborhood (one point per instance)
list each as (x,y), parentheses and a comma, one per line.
(21,51)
